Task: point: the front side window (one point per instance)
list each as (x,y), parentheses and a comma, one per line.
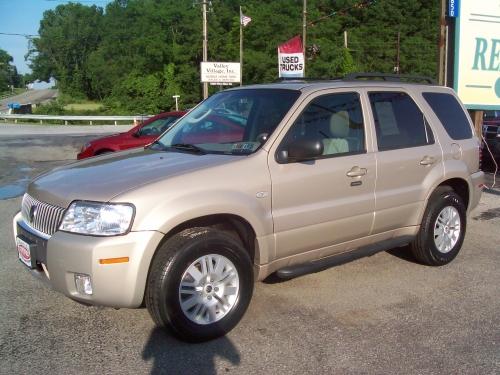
(157,127)
(233,122)
(336,120)
(399,123)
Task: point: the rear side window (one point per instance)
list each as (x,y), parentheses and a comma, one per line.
(450,113)
(399,123)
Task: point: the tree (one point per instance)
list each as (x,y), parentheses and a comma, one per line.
(132,54)
(68,34)
(8,72)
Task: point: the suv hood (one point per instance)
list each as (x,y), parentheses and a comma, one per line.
(103,177)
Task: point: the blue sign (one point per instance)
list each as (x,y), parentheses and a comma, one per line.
(454,8)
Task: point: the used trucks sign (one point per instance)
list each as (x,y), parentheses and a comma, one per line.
(477,54)
(291,59)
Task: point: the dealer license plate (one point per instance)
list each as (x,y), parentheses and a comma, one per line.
(23,249)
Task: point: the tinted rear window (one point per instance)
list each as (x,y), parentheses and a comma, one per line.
(450,113)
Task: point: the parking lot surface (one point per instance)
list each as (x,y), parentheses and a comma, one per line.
(383,314)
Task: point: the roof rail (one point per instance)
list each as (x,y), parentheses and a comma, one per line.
(306,79)
(389,77)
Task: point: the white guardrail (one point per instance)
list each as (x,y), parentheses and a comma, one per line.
(89,119)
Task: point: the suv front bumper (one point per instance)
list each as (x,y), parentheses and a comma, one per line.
(58,258)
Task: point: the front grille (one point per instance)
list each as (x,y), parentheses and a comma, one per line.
(42,216)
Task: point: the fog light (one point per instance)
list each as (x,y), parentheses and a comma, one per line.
(83,283)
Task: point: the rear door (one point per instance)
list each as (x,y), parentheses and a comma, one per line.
(409,159)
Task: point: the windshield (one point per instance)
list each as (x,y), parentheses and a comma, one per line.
(230,122)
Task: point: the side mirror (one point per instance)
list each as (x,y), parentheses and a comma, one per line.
(300,150)
(137,134)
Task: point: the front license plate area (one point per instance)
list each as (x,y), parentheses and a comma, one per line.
(24,251)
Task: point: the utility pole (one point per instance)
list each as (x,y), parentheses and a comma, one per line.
(205,45)
(345,38)
(442,26)
(304,32)
(241,48)
(397,69)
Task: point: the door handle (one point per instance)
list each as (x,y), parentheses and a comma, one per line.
(427,160)
(356,172)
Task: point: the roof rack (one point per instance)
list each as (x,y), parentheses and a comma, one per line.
(389,77)
(306,79)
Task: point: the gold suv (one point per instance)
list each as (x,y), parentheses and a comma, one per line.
(283,177)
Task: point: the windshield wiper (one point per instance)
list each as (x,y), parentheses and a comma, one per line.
(188,147)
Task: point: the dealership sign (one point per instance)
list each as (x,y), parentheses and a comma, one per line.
(291,59)
(477,54)
(220,72)
(453,8)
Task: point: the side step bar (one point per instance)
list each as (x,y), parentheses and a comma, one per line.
(322,264)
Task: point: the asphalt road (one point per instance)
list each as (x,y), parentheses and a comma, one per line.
(382,314)
(31,96)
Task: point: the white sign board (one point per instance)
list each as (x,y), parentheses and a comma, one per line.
(291,65)
(477,54)
(220,72)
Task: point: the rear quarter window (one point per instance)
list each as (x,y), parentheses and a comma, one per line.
(450,113)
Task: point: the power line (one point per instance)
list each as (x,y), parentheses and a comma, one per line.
(24,35)
(342,12)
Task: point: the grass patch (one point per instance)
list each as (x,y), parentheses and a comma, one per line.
(88,106)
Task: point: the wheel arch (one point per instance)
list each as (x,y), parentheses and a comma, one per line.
(460,187)
(234,225)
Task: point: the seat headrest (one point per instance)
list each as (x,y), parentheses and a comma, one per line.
(339,124)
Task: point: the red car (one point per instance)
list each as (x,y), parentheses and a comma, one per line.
(138,136)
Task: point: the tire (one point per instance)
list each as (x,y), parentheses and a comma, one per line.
(438,240)
(220,304)
(103,152)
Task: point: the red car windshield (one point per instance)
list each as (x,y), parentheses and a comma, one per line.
(230,122)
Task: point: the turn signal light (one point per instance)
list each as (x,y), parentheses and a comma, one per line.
(114,260)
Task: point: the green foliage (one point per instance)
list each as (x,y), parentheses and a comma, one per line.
(136,54)
(68,34)
(8,73)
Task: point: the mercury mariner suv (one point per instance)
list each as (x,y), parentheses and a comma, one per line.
(317,171)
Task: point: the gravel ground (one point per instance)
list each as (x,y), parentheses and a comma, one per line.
(382,314)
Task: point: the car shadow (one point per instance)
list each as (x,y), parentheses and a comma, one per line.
(171,356)
(403,253)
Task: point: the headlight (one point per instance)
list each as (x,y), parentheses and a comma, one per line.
(99,219)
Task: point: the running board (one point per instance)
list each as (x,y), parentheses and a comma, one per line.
(339,259)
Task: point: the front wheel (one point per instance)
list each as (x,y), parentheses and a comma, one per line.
(200,284)
(442,230)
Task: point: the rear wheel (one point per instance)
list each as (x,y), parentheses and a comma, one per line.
(442,230)
(200,284)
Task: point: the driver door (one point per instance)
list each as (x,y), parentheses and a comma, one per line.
(319,203)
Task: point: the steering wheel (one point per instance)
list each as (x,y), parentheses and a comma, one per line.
(192,120)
